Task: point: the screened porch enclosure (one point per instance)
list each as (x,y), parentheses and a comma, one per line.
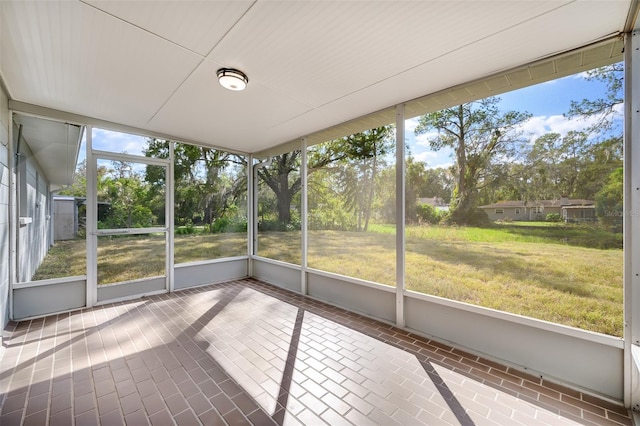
(386,247)
(163,216)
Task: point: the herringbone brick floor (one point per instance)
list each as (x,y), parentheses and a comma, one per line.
(246,352)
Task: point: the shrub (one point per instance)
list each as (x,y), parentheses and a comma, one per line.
(427,213)
(187,228)
(473,217)
(553,217)
(219,225)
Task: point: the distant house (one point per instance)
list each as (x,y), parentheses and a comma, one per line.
(570,210)
(435,202)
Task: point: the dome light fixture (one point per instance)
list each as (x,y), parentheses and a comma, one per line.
(232,79)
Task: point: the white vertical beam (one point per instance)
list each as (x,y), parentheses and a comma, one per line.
(251,214)
(13,215)
(169,215)
(400,214)
(91,222)
(631,217)
(303,216)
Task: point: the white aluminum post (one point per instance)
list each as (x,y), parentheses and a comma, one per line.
(91,225)
(303,217)
(13,215)
(631,219)
(169,215)
(251,215)
(400,213)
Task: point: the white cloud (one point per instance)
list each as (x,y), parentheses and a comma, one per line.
(411,124)
(440,166)
(426,156)
(434,159)
(542,124)
(619,111)
(107,140)
(423,139)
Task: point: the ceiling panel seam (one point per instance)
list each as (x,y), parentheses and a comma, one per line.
(204,58)
(235,24)
(201,57)
(141,28)
(442,55)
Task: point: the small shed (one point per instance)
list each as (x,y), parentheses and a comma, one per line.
(65,218)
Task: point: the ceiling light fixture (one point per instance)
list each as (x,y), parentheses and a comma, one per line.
(232,79)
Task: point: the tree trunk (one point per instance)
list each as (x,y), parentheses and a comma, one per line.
(284,206)
(372,185)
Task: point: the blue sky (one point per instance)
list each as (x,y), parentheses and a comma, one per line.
(110,141)
(107,140)
(547,102)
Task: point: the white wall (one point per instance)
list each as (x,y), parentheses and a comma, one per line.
(4,211)
(34,237)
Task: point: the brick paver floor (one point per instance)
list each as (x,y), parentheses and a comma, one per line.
(246,352)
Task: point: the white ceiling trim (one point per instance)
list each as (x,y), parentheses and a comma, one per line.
(68,117)
(596,55)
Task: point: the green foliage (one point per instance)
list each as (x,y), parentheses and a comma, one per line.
(127,198)
(186,229)
(553,217)
(276,225)
(355,161)
(473,217)
(225,224)
(209,183)
(603,108)
(78,187)
(428,214)
(609,200)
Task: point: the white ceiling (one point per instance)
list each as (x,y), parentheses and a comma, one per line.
(311,64)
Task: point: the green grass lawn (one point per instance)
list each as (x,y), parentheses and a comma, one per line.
(132,257)
(555,273)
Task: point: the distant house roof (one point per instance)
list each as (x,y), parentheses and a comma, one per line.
(564,202)
(580,207)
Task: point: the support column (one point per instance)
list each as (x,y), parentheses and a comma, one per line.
(400,215)
(251,215)
(170,215)
(631,222)
(303,217)
(91,222)
(13,215)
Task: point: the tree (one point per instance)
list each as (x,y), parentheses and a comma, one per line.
(124,190)
(605,157)
(478,133)
(609,202)
(78,187)
(604,109)
(207,185)
(440,183)
(282,176)
(556,164)
(423,182)
(282,180)
(366,152)
(599,161)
